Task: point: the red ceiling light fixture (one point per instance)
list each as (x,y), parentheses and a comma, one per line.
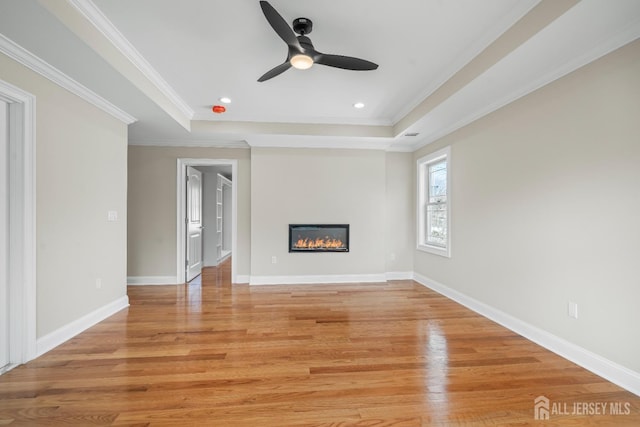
(218,109)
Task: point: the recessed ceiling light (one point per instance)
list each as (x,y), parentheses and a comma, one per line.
(225,100)
(358,105)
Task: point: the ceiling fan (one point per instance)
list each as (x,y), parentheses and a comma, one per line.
(302,54)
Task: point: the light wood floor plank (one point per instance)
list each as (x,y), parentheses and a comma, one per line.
(385,354)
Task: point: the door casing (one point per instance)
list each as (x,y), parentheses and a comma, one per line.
(22,223)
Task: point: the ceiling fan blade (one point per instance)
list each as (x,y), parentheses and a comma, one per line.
(279,25)
(275,71)
(345,62)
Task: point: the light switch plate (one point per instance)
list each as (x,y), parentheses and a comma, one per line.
(572,309)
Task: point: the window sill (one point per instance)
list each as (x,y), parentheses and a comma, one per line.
(436,250)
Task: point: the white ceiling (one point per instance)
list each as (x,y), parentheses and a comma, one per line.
(442,63)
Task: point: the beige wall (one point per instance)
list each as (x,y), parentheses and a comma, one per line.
(546,202)
(81,158)
(152,207)
(317,186)
(399,212)
(371,189)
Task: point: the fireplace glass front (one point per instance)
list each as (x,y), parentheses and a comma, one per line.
(318,237)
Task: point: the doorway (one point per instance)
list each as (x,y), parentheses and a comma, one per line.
(182,222)
(17,227)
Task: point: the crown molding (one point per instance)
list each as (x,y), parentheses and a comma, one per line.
(34,63)
(95,16)
(315,141)
(472,51)
(269,117)
(400,148)
(606,45)
(177,142)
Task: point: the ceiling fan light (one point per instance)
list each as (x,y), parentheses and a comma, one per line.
(301,61)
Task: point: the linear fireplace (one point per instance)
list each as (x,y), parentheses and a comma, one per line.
(318,237)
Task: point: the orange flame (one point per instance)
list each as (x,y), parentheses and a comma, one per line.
(319,243)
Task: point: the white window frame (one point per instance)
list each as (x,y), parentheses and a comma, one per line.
(423,164)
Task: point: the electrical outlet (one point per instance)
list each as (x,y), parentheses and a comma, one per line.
(392,256)
(572,309)
(112,215)
(274,260)
(98,283)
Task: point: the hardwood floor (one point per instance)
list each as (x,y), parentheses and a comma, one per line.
(388,354)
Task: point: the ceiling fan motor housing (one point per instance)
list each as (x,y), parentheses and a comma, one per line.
(302,26)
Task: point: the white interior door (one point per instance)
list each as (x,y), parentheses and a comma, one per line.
(4,236)
(194,223)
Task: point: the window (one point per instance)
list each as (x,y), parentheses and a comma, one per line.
(434,196)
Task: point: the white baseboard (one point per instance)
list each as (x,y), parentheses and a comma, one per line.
(399,275)
(223,258)
(151,280)
(283,280)
(305,280)
(612,371)
(60,335)
(242,279)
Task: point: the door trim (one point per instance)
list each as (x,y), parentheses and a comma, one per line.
(181,183)
(22,223)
